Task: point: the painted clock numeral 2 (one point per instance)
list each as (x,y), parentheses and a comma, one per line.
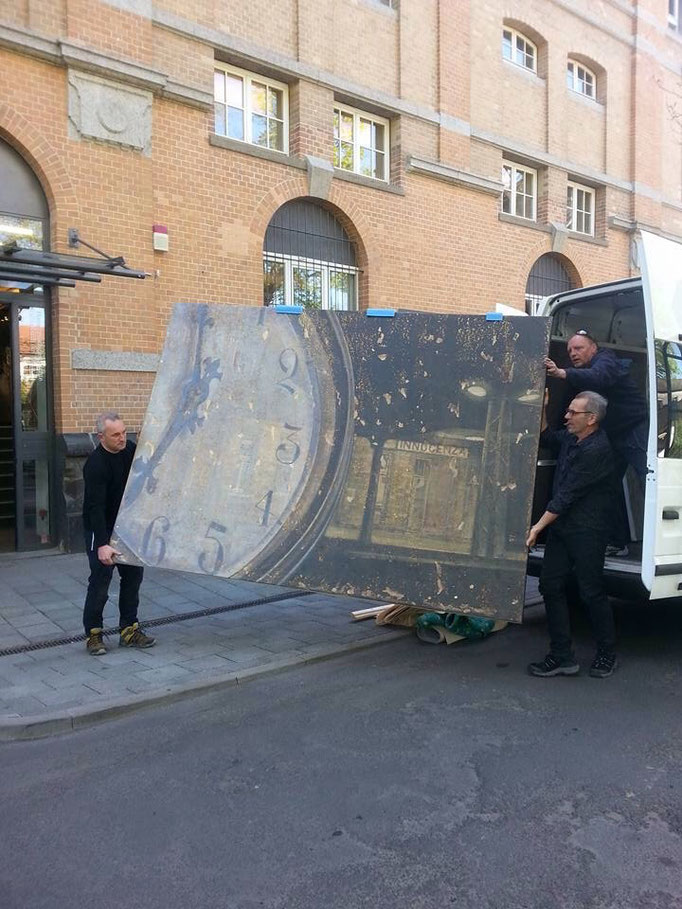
(287,452)
(288,363)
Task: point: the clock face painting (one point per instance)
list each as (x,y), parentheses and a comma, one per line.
(387,458)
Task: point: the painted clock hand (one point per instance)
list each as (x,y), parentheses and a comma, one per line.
(195,391)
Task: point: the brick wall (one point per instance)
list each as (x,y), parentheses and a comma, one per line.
(433,68)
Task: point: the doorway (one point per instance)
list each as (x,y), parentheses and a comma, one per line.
(26,519)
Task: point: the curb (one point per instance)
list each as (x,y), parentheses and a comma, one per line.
(44,725)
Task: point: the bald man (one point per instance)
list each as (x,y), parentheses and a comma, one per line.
(599,369)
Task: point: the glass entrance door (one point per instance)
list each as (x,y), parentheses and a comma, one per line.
(25,426)
(7,477)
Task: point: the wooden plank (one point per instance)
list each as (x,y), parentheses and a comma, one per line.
(359,615)
(399,614)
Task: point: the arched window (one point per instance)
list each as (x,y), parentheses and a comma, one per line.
(548,276)
(581,79)
(518,49)
(23,210)
(308,259)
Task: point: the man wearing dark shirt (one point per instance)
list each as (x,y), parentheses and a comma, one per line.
(599,369)
(105,473)
(577,517)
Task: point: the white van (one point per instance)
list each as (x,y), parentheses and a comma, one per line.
(641,319)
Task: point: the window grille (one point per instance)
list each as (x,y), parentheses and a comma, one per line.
(308,259)
(547,276)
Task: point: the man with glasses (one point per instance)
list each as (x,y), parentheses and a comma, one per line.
(578,519)
(599,369)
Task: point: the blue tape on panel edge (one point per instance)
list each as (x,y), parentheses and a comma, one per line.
(280,307)
(494,316)
(382,313)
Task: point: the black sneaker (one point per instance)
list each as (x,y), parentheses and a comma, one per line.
(614,551)
(552,665)
(603,665)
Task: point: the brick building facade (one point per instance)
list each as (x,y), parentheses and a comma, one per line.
(427,154)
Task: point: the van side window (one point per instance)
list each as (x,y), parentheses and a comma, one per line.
(669,398)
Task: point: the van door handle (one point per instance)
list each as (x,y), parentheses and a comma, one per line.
(671,514)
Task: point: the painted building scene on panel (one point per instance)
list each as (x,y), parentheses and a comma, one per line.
(441,156)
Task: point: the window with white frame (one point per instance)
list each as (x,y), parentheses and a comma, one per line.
(581,79)
(250,108)
(674,13)
(518,49)
(580,209)
(361,143)
(519,197)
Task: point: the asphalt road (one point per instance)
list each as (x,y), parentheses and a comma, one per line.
(405,776)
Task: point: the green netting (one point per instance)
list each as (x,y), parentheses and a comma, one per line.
(471,627)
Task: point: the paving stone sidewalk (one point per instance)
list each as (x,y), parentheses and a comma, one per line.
(59,688)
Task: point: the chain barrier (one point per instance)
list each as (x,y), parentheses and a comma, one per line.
(154,623)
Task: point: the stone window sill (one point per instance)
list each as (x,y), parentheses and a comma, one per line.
(359,180)
(586,238)
(523,222)
(255,151)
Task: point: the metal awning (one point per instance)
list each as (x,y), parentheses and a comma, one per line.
(19,265)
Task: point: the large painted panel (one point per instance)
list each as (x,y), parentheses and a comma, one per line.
(387,458)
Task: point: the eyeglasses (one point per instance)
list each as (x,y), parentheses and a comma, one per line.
(574,413)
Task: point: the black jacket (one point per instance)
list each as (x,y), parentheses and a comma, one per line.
(105,476)
(584,480)
(609,376)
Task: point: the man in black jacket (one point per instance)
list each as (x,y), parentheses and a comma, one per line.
(599,369)
(577,517)
(105,473)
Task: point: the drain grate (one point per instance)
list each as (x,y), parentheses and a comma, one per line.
(154,623)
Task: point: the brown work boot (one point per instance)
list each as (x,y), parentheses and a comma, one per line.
(95,644)
(133,637)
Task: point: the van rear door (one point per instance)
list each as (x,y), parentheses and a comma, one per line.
(661,264)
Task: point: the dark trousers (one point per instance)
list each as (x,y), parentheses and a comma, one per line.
(580,553)
(98,592)
(630,450)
